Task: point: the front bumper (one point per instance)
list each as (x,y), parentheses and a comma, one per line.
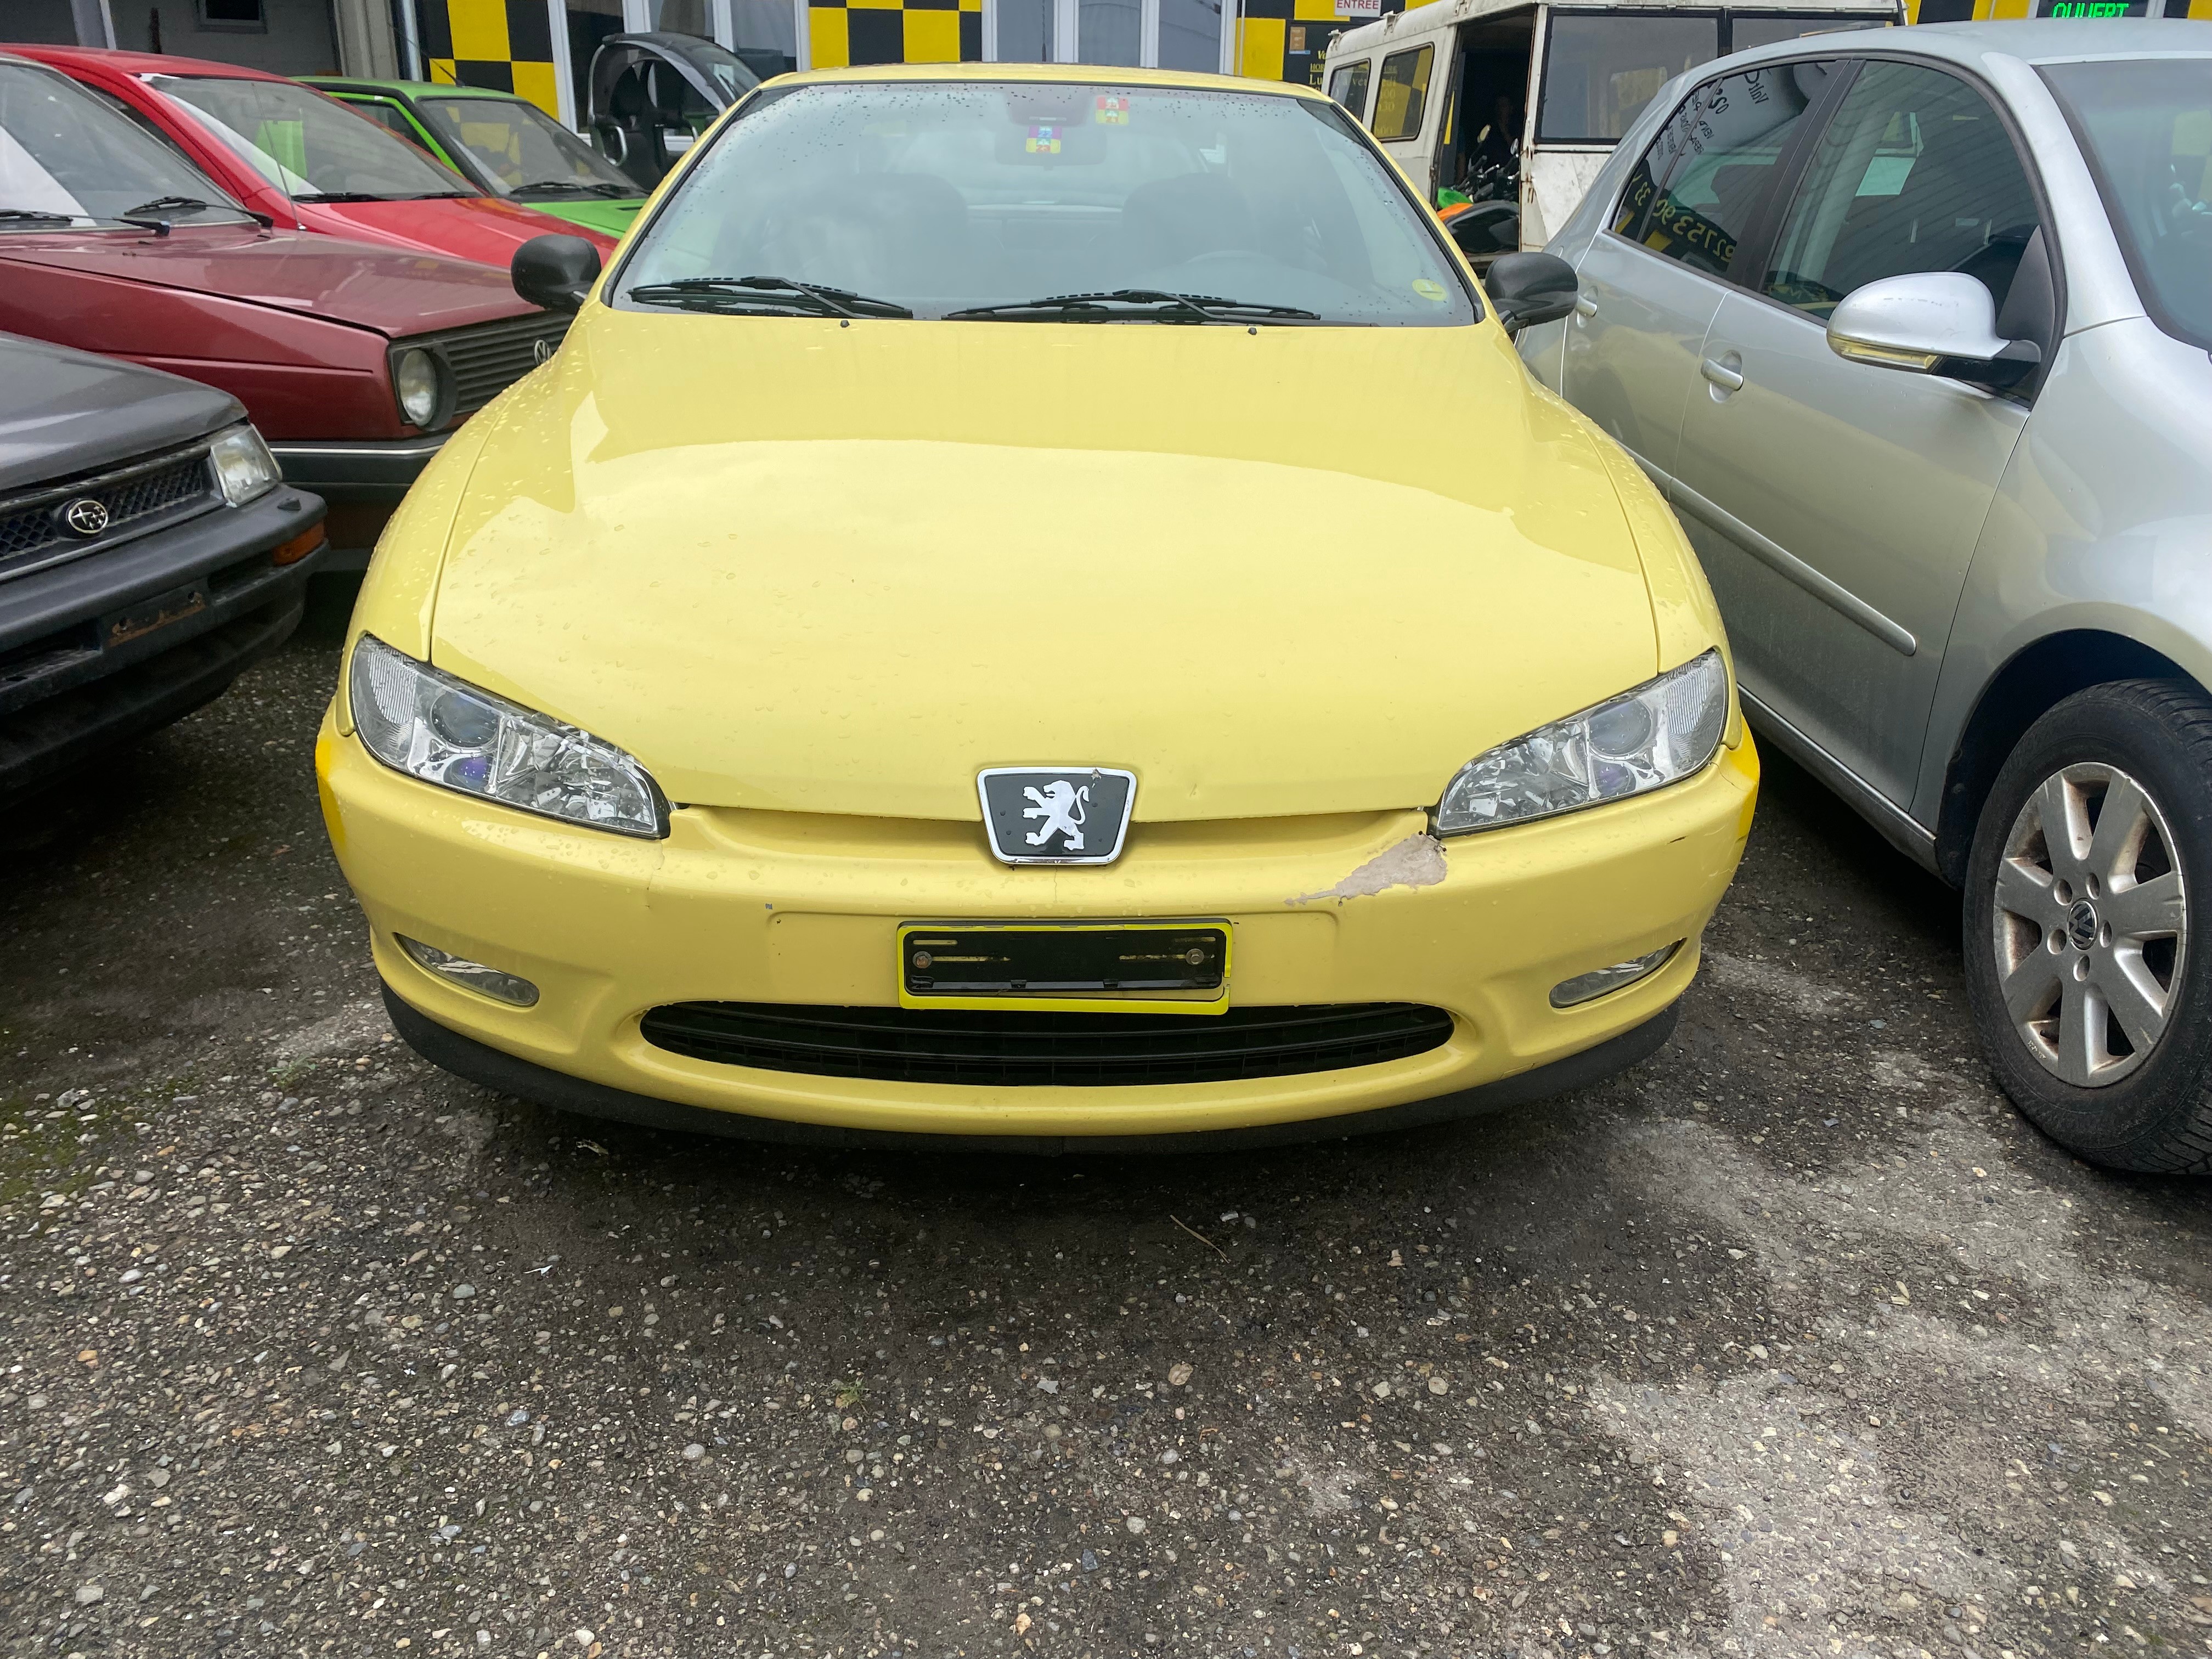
(68,688)
(363,481)
(369,471)
(783,908)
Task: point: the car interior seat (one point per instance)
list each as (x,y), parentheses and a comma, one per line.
(629,132)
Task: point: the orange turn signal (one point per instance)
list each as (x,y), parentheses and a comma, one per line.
(299,547)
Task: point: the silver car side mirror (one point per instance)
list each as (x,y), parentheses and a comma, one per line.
(1932,322)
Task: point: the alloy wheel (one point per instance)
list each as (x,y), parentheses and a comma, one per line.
(2090,924)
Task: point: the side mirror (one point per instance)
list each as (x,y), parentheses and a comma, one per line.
(1932,322)
(1528,288)
(556,272)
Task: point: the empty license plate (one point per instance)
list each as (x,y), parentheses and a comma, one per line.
(1129,967)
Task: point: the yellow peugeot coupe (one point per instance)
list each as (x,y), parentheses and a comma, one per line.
(1036,606)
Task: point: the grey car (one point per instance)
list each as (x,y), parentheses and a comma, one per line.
(1912,328)
(149,551)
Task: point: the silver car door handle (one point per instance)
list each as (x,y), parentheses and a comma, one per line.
(1584,306)
(1721,375)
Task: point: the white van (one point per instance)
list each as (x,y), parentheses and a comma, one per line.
(1501,112)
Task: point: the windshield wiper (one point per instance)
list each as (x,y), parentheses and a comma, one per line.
(35,217)
(1158,304)
(167,204)
(579,186)
(714,292)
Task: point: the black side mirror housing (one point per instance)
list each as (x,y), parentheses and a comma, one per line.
(1527,288)
(556,272)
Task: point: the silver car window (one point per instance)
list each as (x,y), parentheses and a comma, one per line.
(2146,126)
(1692,193)
(1915,172)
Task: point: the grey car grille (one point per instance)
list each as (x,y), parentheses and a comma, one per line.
(485,360)
(137,495)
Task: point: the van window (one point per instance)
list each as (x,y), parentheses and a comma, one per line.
(1403,97)
(1693,194)
(1746,31)
(1348,86)
(1602,68)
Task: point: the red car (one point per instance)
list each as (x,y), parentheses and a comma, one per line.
(355,361)
(306,162)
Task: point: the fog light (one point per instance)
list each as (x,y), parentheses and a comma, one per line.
(510,988)
(1588,987)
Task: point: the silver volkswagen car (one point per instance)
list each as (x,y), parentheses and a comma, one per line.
(1912,327)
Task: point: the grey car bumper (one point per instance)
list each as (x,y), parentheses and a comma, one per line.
(112,645)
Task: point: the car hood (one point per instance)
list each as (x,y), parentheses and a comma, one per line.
(478,228)
(798,566)
(389,289)
(68,412)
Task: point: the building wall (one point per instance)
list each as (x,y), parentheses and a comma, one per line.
(38,22)
(299,38)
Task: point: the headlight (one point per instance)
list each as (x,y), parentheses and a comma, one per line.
(417,382)
(443,731)
(1660,732)
(243,465)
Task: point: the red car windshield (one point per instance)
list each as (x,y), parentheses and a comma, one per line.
(67,158)
(310,147)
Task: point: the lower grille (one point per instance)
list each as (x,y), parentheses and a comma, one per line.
(31,528)
(1018,1049)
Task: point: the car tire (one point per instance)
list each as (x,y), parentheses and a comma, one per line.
(2088,952)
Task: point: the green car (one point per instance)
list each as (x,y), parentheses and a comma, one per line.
(502,142)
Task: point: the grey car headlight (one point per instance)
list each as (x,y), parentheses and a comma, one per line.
(243,468)
(418,385)
(423,722)
(1659,733)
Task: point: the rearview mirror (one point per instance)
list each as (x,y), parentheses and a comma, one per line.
(1932,322)
(1528,288)
(556,272)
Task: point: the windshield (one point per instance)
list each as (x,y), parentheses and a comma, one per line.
(2146,126)
(65,156)
(950,196)
(523,150)
(1602,68)
(310,147)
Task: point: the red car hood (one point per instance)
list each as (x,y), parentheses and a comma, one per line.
(469,226)
(386,289)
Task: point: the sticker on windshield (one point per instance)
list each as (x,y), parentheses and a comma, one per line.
(1045,141)
(1427,290)
(1112,110)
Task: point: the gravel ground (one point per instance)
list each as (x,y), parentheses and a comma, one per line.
(1793,1341)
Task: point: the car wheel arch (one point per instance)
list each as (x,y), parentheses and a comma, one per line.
(2034,680)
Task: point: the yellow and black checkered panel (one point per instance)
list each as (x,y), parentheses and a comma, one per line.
(1288,40)
(503,43)
(895,32)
